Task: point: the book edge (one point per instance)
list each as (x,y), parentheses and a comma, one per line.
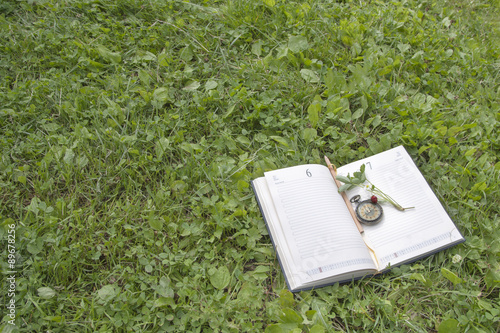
(270,234)
(380,272)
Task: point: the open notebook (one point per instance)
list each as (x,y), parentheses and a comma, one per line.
(315,237)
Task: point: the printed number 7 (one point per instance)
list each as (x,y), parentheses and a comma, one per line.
(369,164)
(308,173)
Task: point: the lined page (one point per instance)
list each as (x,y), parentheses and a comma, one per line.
(402,236)
(320,233)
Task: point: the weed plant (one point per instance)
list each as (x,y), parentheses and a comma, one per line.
(130,132)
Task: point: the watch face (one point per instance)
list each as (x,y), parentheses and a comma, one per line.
(369,212)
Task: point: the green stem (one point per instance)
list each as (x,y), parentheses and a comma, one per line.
(390,199)
(373,189)
(378,192)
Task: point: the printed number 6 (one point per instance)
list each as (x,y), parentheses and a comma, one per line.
(308,173)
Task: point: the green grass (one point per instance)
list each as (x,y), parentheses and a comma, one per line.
(130,131)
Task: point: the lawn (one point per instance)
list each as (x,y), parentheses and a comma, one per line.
(130,132)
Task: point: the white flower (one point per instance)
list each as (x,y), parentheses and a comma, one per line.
(456,258)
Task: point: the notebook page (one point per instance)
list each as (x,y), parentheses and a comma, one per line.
(320,234)
(402,236)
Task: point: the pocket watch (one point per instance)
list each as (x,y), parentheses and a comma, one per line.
(367,212)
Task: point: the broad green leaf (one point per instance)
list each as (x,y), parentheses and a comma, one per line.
(21,179)
(485,305)
(161,94)
(51,127)
(317,329)
(46,292)
(286,299)
(384,71)
(419,277)
(108,55)
(376,121)
(191,86)
(33,206)
(229,111)
(310,314)
(248,295)
(449,326)
(156,223)
(335,82)
(298,44)
(309,75)
(356,181)
(161,147)
(242,185)
(128,138)
(343,179)
(210,84)
(146,95)
(264,250)
(403,47)
(470,152)
(261,273)
(191,147)
(492,277)
(179,186)
(164,301)
(346,187)
(280,140)
(82,161)
(270,3)
(261,269)
(282,52)
(144,77)
(257,48)
(220,278)
(95,66)
(358,113)
(44,208)
(163,287)
(290,316)
(446,22)
(313,110)
(107,292)
(451,276)
(69,155)
(35,247)
(422,149)
(186,54)
(144,56)
(452,131)
(163,59)
(362,177)
(243,140)
(309,134)
(274,328)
